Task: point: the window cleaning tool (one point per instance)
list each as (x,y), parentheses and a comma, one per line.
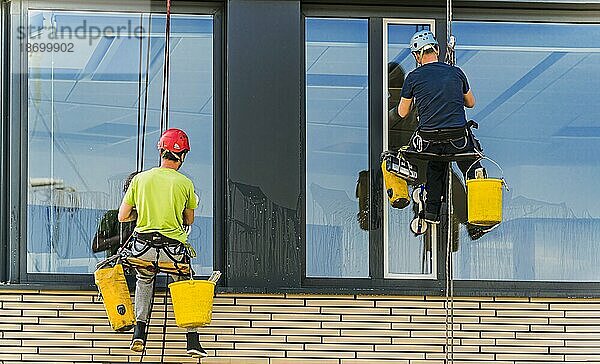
(115,293)
(397,164)
(484,199)
(193,301)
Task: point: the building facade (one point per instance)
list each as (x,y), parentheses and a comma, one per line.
(287,107)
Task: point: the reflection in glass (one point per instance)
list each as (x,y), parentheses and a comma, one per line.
(83,126)
(337,130)
(405,253)
(537,101)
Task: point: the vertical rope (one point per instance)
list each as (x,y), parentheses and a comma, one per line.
(448,19)
(139,102)
(162,347)
(449,304)
(164,109)
(146,82)
(451,40)
(52,144)
(168,64)
(151,306)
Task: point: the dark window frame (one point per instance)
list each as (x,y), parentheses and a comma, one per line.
(505,12)
(17,121)
(419,286)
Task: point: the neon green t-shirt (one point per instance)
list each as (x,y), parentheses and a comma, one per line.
(160,195)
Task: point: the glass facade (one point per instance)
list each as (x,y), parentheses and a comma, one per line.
(86,79)
(337,147)
(85,76)
(537,97)
(405,254)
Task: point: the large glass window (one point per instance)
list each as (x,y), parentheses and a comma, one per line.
(85,74)
(405,254)
(337,148)
(537,101)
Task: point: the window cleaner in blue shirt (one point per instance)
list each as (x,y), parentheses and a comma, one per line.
(440,92)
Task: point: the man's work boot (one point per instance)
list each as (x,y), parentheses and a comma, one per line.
(139,337)
(194,349)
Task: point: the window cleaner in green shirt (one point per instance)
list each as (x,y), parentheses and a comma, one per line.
(163,202)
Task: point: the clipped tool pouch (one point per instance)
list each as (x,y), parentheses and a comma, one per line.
(115,296)
(396,187)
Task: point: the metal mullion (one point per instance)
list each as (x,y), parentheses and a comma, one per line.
(376,74)
(17,142)
(303,152)
(219,145)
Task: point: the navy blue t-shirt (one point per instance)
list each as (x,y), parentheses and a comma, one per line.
(438,90)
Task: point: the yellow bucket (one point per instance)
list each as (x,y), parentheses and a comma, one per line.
(115,296)
(192,302)
(484,201)
(396,188)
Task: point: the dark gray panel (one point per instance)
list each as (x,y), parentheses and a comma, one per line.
(263,143)
(376,147)
(3,142)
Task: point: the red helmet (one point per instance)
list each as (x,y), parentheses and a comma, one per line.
(174,140)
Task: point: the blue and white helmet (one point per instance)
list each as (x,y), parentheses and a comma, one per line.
(422,39)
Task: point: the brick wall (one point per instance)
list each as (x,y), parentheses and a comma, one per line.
(53,327)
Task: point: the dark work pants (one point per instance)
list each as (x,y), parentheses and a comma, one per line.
(437,171)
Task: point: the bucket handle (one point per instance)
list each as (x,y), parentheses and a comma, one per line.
(497,165)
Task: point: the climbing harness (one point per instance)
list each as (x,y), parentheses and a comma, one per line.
(423,139)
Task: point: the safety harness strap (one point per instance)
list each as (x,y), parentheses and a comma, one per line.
(161,243)
(177,268)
